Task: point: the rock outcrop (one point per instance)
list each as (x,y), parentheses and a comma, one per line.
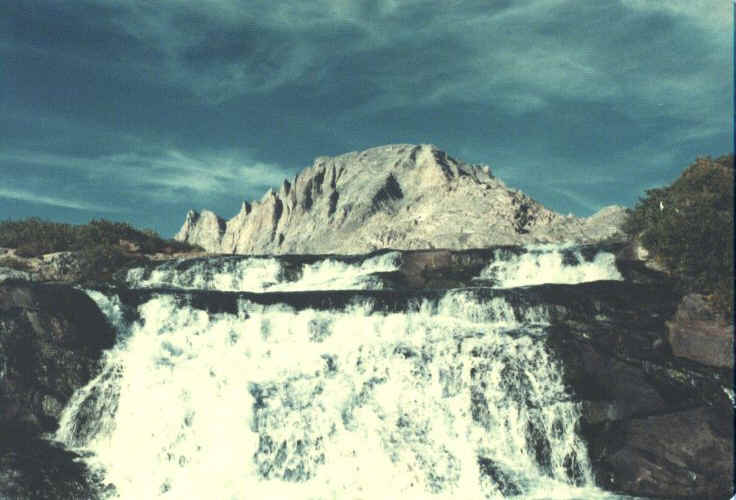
(397,196)
(81,267)
(57,266)
(698,333)
(686,454)
(7,273)
(202,228)
(32,468)
(51,341)
(657,424)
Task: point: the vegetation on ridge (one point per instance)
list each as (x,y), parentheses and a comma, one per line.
(689,228)
(103,246)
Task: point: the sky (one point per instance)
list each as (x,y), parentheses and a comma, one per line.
(139,110)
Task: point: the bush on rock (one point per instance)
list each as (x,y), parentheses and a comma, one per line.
(689,228)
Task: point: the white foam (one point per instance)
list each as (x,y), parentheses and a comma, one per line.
(252,274)
(353,404)
(548,264)
(261,274)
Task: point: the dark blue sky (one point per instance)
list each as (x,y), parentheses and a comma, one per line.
(137,110)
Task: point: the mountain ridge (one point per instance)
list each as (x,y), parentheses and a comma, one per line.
(400,196)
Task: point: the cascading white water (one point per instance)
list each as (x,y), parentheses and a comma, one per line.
(549,264)
(259,274)
(453,397)
(534,266)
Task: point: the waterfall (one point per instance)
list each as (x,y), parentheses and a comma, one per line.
(541,264)
(260,274)
(449,395)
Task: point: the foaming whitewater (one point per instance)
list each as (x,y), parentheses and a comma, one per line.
(260,274)
(541,264)
(440,395)
(451,399)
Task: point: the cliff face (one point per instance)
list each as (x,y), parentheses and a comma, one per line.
(397,196)
(51,341)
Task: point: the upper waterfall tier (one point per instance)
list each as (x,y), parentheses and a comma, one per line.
(398,196)
(499,267)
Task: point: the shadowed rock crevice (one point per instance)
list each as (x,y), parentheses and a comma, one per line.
(388,193)
(334,197)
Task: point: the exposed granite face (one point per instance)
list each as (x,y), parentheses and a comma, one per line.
(398,196)
(201,229)
(696,332)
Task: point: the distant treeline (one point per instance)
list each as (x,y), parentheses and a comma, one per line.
(689,228)
(103,246)
(33,237)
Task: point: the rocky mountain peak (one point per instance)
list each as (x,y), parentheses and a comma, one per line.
(201,228)
(401,196)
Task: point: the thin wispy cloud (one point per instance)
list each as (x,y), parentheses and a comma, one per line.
(207,173)
(516,55)
(578,199)
(171,173)
(27,196)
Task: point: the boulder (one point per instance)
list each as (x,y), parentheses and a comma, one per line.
(696,332)
(51,340)
(60,266)
(687,454)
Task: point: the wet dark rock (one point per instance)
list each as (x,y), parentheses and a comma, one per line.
(32,468)
(656,424)
(505,482)
(687,454)
(537,441)
(51,339)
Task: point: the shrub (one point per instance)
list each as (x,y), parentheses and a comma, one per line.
(99,262)
(689,227)
(99,243)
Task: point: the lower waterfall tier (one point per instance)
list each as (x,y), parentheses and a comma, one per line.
(453,394)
